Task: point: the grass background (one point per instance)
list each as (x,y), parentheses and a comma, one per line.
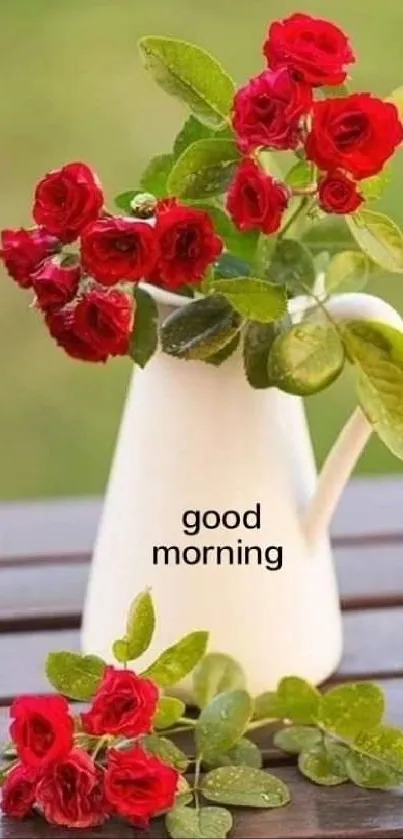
(73,88)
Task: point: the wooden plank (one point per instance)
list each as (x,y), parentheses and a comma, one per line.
(372,649)
(47,595)
(370,575)
(370,509)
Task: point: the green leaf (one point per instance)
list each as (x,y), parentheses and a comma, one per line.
(346,709)
(244,786)
(300,176)
(292,265)
(225,353)
(241,244)
(3,776)
(124,199)
(207,823)
(191,131)
(266,707)
(184,793)
(169,711)
(298,700)
(297,738)
(204,169)
(140,627)
(379,237)
(155,177)
(229,266)
(376,351)
(190,74)
(306,358)
(216,673)
(320,767)
(73,675)
(347,271)
(179,660)
(382,743)
(258,339)
(244,753)
(252,298)
(200,329)
(222,723)
(144,338)
(373,188)
(9,751)
(369,773)
(167,751)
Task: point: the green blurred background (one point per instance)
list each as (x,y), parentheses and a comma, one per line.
(73,89)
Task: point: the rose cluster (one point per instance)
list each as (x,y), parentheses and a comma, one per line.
(84,294)
(346,138)
(74,788)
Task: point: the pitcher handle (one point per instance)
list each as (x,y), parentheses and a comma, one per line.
(354,436)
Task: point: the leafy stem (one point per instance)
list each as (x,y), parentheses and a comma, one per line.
(197,781)
(302,207)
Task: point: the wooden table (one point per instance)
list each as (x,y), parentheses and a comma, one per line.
(44,558)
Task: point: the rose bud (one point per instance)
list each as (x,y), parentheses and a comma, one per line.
(143,205)
(71,793)
(123,704)
(357,133)
(268,111)
(315,50)
(18,792)
(63,328)
(116,249)
(41,729)
(23,250)
(67,199)
(138,785)
(188,245)
(56,282)
(256,200)
(104,320)
(338,194)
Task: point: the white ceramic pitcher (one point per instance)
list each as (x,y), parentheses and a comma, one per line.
(198,437)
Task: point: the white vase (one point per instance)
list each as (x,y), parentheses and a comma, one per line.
(195,437)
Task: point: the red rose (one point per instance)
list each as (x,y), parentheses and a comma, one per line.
(56,282)
(268,110)
(104,321)
(188,245)
(115,249)
(63,328)
(256,200)
(71,793)
(18,792)
(139,786)
(357,133)
(123,704)
(338,194)
(42,729)
(315,50)
(23,250)
(67,199)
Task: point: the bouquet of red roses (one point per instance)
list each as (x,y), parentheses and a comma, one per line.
(220,228)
